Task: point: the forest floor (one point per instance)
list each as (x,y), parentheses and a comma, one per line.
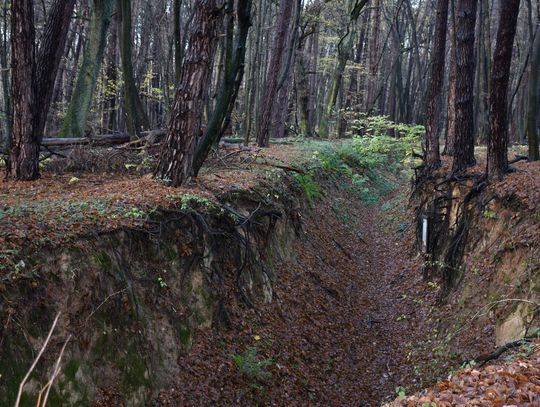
(340,330)
(352,321)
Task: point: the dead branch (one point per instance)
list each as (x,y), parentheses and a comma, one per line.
(36,360)
(54,375)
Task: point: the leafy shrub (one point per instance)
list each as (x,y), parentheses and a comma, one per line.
(310,187)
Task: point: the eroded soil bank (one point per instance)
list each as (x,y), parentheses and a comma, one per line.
(252,288)
(259,291)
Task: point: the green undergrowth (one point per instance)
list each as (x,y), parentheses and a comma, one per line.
(367,167)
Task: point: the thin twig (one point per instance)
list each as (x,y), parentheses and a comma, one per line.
(54,375)
(36,360)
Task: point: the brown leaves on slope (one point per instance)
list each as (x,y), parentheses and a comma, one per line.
(514,384)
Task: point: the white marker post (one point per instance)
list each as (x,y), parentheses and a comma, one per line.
(425,225)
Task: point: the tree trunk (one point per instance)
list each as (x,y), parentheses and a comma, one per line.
(432,158)
(136,119)
(451,100)
(532,115)
(177,34)
(276,61)
(176,162)
(234,74)
(302,85)
(75,121)
(352,96)
(373,56)
(345,47)
(49,56)
(23,161)
(465,70)
(500,76)
(111,74)
(6,87)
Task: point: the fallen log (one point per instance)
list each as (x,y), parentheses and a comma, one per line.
(101,140)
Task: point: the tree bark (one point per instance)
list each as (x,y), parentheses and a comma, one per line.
(345,47)
(271,87)
(373,56)
(433,159)
(176,162)
(451,99)
(136,118)
(49,56)
(177,34)
(500,76)
(75,121)
(532,115)
(6,86)
(111,74)
(234,74)
(23,161)
(465,70)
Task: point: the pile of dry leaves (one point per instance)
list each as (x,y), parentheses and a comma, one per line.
(511,383)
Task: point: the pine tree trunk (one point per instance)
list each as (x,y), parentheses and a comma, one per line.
(49,56)
(220,119)
(465,70)
(286,8)
(177,34)
(176,162)
(451,99)
(432,158)
(23,162)
(498,98)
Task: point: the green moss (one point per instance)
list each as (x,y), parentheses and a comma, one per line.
(71,369)
(184,334)
(103,260)
(70,389)
(16,357)
(133,368)
(171,252)
(122,351)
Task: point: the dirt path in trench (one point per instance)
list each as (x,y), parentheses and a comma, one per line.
(338,331)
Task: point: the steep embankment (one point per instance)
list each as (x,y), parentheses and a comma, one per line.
(482,257)
(345,309)
(258,289)
(290,278)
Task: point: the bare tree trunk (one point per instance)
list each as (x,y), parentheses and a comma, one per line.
(112,77)
(304,100)
(177,34)
(532,115)
(286,8)
(49,56)
(465,68)
(136,119)
(75,121)
(23,162)
(352,96)
(451,100)
(176,162)
(345,47)
(234,74)
(6,93)
(500,77)
(373,55)
(432,158)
